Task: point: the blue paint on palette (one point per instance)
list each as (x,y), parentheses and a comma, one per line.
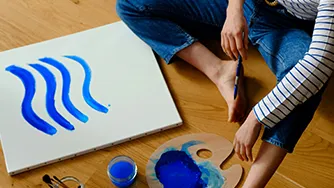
(86,85)
(51,84)
(210,174)
(177,169)
(28,81)
(28,113)
(187,145)
(66,89)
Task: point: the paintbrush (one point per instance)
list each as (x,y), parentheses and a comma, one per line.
(47,180)
(61,183)
(236,83)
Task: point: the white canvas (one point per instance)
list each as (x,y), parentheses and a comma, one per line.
(125,75)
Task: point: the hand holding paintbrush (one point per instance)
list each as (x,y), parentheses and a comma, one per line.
(236,82)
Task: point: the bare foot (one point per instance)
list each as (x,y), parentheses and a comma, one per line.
(225,82)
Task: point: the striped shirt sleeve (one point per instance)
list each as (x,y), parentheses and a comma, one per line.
(307,77)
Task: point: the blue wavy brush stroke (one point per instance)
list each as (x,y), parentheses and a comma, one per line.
(28,113)
(51,85)
(66,88)
(86,85)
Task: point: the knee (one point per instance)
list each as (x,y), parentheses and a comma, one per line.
(294,54)
(124,9)
(128,8)
(122,6)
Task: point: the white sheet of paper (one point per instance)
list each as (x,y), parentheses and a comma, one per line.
(125,75)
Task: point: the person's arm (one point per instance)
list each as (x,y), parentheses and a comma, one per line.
(303,81)
(307,77)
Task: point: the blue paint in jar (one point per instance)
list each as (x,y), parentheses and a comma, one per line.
(122,171)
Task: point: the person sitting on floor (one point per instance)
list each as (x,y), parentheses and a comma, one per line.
(295,38)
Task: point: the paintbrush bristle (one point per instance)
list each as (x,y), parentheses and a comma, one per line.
(47,179)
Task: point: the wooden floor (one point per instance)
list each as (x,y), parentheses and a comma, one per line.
(200,104)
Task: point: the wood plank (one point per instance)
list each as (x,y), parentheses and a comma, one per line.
(281,181)
(323,121)
(312,164)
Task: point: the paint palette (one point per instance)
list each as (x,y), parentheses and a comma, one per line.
(177,164)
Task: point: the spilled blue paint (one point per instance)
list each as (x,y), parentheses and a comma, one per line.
(176,169)
(86,85)
(66,88)
(51,85)
(28,113)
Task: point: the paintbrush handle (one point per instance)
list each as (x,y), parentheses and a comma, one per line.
(60,182)
(236,82)
(235,91)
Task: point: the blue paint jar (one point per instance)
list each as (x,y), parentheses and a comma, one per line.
(122,171)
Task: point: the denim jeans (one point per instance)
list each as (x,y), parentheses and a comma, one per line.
(170,26)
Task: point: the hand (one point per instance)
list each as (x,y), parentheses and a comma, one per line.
(234,36)
(246,137)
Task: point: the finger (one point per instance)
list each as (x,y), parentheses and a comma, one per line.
(227,47)
(246,38)
(237,151)
(240,46)
(233,47)
(249,153)
(243,152)
(222,43)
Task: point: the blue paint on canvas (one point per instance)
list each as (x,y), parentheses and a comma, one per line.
(66,89)
(28,113)
(86,85)
(51,85)
(176,169)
